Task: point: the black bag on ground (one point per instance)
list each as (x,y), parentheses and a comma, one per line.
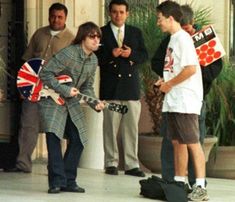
(152,188)
(156,188)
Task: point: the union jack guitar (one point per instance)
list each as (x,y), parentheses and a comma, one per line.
(28,82)
(31,87)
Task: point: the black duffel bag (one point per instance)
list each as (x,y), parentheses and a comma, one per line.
(155,187)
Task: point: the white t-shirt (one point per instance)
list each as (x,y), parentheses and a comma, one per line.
(53,33)
(187,96)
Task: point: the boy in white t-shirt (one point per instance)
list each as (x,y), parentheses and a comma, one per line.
(182,85)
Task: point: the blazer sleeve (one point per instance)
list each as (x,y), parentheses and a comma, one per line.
(139,55)
(104,53)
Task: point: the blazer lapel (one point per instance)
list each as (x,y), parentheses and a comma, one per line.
(111,38)
(126,35)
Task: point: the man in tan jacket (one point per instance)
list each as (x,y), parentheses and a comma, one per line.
(45,42)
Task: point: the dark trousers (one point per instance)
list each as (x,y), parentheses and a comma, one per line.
(167,151)
(62,170)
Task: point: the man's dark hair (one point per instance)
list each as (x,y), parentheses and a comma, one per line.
(85,29)
(58,6)
(170,8)
(187,15)
(118,2)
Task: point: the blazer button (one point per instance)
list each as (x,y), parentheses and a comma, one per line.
(115,65)
(119,75)
(129,75)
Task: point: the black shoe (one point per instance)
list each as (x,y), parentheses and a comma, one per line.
(135,172)
(15,169)
(187,189)
(184,186)
(73,189)
(112,170)
(54,190)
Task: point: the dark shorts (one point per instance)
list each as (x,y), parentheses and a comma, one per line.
(183,127)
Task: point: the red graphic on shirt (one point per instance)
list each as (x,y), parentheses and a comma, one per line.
(169,60)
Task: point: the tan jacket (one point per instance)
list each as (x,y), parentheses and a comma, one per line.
(43,45)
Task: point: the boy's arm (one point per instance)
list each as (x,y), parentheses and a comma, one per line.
(187,72)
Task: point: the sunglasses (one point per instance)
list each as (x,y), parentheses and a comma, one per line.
(93,36)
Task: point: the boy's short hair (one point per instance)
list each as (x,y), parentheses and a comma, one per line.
(170,8)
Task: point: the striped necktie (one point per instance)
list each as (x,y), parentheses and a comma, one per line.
(119,38)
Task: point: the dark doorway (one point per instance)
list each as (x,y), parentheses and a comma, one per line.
(12,45)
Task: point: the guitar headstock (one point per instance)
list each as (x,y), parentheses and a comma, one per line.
(118,108)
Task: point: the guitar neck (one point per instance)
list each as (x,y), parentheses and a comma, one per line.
(87,98)
(111,106)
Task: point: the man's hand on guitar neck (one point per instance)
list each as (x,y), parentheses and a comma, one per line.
(100,106)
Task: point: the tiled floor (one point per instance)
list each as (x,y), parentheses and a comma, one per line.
(20,187)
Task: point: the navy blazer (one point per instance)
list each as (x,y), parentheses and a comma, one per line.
(119,77)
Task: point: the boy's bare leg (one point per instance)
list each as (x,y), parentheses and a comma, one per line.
(198,158)
(180,158)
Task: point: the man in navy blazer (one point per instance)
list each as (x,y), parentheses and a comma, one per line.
(122,50)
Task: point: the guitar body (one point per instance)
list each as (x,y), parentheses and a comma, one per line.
(28,82)
(31,87)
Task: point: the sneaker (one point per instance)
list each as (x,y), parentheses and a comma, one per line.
(198,194)
(191,190)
